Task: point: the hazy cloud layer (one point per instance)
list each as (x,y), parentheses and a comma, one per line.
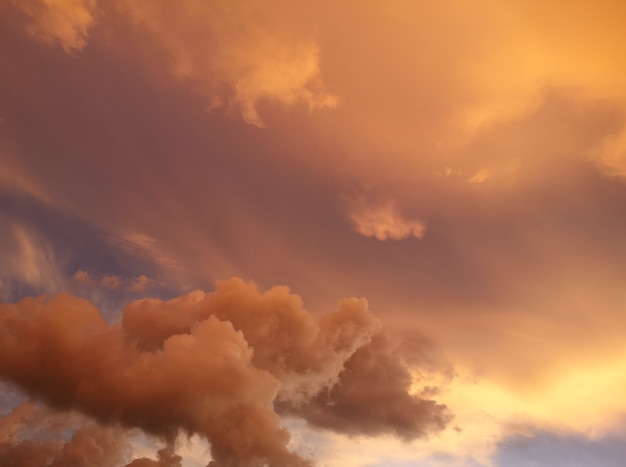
(493,132)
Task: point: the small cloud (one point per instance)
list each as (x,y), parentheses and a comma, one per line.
(82,277)
(480,177)
(110,281)
(144,247)
(141,284)
(611,155)
(383,221)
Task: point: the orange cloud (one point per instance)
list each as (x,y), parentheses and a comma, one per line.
(82,277)
(237,54)
(383,221)
(141,284)
(62,22)
(111,281)
(373,374)
(211,364)
(611,155)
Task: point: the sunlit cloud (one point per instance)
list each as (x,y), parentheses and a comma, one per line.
(60,22)
(237,54)
(225,357)
(611,155)
(480,177)
(384,221)
(460,166)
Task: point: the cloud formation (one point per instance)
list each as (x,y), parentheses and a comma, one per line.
(211,364)
(373,397)
(237,54)
(519,108)
(383,220)
(60,22)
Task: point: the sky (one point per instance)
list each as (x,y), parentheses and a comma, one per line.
(242,233)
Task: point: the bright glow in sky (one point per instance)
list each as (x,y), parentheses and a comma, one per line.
(343,234)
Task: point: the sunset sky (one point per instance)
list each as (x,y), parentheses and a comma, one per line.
(350,233)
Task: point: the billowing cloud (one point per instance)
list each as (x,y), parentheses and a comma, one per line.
(211,364)
(62,22)
(373,397)
(303,354)
(384,221)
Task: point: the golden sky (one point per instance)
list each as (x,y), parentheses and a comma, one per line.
(354,233)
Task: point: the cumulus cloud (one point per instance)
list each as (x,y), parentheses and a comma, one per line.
(384,221)
(212,364)
(373,397)
(62,22)
(305,354)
